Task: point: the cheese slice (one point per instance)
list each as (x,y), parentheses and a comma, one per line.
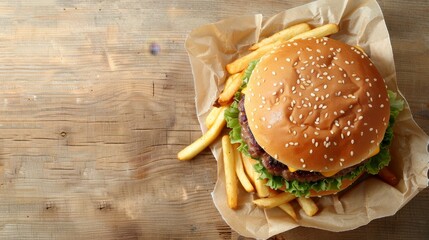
(332,173)
(329,173)
(376,150)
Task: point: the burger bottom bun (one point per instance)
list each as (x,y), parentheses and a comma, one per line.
(345,184)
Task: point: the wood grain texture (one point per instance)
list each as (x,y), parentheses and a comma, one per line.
(91,122)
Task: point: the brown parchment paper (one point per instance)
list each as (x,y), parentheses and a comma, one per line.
(212,46)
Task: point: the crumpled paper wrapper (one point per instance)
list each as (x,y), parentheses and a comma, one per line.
(212,46)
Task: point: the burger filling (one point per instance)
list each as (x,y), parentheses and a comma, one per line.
(300,182)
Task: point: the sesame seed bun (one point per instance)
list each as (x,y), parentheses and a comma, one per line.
(317,105)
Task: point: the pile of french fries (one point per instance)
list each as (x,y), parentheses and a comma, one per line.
(237,166)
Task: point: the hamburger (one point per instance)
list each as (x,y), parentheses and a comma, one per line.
(316,114)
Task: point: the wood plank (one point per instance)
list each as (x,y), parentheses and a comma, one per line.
(91,121)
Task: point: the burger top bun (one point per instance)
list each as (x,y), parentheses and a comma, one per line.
(317,105)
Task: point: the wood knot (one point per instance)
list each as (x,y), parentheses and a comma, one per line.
(104,205)
(49,205)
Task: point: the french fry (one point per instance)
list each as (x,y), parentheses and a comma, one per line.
(230,89)
(229,80)
(261,189)
(211,118)
(388,176)
(248,166)
(230,175)
(205,140)
(275,201)
(239,170)
(322,31)
(287,207)
(284,35)
(308,205)
(241,63)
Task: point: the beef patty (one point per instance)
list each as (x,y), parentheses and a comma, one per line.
(273,166)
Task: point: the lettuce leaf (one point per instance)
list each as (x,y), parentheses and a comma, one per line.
(248,72)
(231,113)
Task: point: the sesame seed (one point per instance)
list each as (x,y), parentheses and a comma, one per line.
(382,105)
(287,145)
(351,153)
(303,165)
(316,144)
(305,134)
(352,141)
(301,160)
(331,159)
(274,73)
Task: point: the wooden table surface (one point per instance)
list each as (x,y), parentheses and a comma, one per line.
(91,121)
